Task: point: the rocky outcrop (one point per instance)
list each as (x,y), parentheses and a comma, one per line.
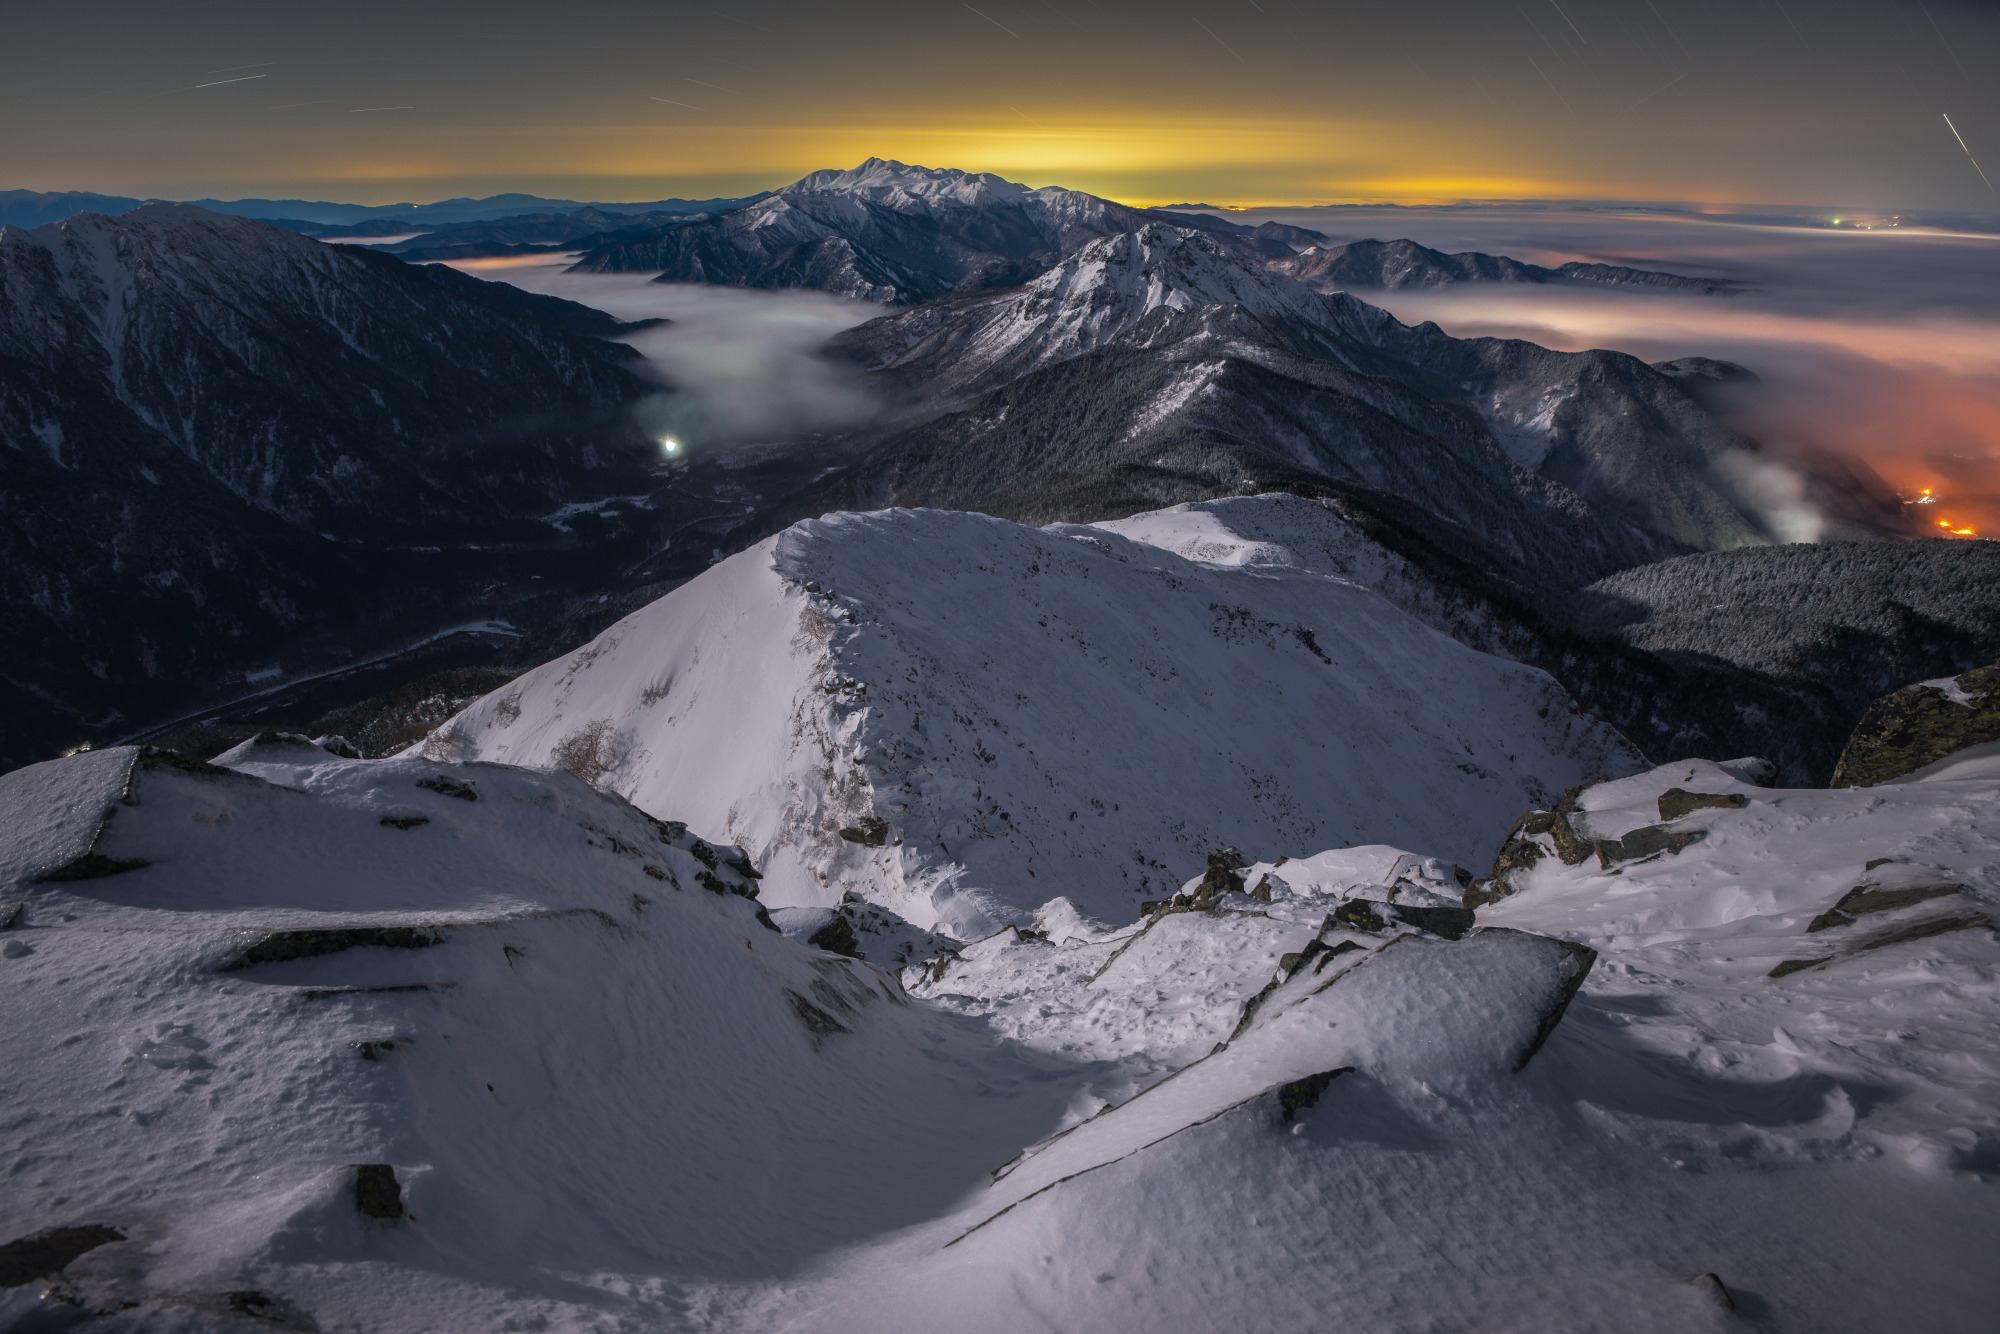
(1919,725)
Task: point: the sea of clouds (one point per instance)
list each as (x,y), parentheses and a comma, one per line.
(1880,347)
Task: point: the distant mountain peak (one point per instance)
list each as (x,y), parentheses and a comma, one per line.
(887,181)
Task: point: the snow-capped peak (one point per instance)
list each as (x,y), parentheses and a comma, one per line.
(899,184)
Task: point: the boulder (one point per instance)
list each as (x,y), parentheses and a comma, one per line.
(1908,729)
(1676,802)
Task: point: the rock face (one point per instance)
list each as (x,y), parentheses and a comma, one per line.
(218,438)
(1919,725)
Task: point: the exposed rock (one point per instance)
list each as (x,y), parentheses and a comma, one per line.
(1924,930)
(93,865)
(869,832)
(1301,1094)
(1451,923)
(50,1252)
(377,1193)
(1676,802)
(1224,875)
(281,946)
(1645,842)
(262,1306)
(10,915)
(1360,915)
(1863,899)
(405,821)
(1920,725)
(816,1020)
(836,937)
(449,788)
(1936,926)
(1522,849)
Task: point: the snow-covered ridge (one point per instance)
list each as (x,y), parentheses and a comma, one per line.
(1110,289)
(899,185)
(959,717)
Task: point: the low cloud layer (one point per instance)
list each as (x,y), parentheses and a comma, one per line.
(736,366)
(1876,351)
(1879,347)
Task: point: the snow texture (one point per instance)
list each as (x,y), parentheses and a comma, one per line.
(609,1098)
(1028,711)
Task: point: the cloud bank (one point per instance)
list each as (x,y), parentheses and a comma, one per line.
(735,366)
(1878,348)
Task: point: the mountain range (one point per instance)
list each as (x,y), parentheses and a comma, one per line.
(1404,264)
(1213,809)
(29,208)
(366,482)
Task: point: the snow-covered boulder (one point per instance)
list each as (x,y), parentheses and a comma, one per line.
(958,717)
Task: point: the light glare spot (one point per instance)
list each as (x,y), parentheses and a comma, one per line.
(669,446)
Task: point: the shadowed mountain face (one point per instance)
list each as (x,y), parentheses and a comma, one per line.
(218,436)
(1403,264)
(1160,365)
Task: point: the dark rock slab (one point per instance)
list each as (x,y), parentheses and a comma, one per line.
(282,946)
(1645,842)
(836,937)
(869,832)
(377,1193)
(45,1253)
(1865,899)
(1676,802)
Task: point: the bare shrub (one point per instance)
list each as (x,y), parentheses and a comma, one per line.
(592,751)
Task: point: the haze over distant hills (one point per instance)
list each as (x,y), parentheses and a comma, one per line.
(29,208)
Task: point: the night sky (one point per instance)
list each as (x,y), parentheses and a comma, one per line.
(1226,101)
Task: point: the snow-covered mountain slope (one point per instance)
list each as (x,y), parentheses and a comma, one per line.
(952,714)
(555,1023)
(1161,355)
(1104,293)
(885,231)
(1403,264)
